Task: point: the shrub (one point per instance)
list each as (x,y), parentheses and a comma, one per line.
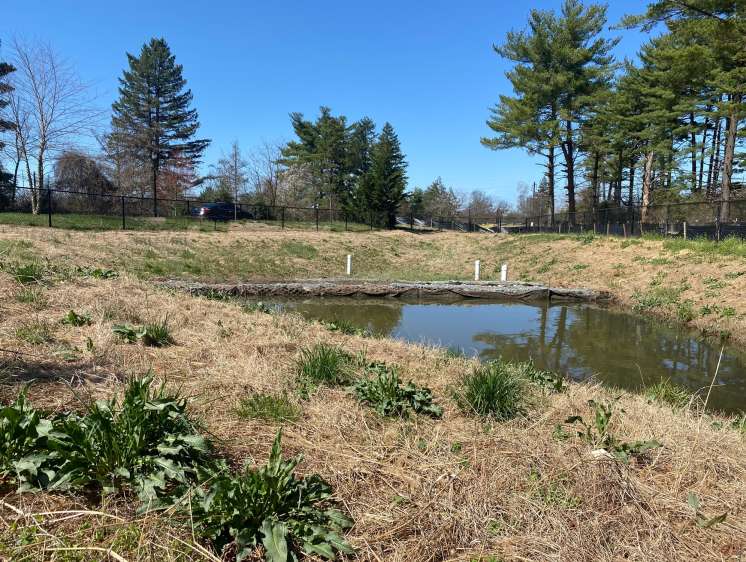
(545,379)
(268,407)
(389,397)
(270,507)
(669,393)
(128,333)
(324,364)
(491,390)
(72,318)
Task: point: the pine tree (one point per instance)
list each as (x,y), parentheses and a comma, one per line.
(388,175)
(5,125)
(153,120)
(530,118)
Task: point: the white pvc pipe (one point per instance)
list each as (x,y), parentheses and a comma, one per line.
(349,264)
(504,272)
(476,270)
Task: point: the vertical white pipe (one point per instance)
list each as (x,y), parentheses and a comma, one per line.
(684,230)
(349,264)
(504,272)
(476,270)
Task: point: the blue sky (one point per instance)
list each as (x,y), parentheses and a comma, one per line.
(428,68)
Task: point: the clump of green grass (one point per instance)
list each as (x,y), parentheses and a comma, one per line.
(154,334)
(33,296)
(657,297)
(730,246)
(325,365)
(271,407)
(270,507)
(685,311)
(666,392)
(385,393)
(28,273)
(72,318)
(298,249)
(492,390)
(35,332)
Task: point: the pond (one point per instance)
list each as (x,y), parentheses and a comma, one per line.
(578,340)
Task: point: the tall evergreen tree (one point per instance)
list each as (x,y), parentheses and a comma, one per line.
(530,118)
(153,120)
(388,175)
(5,125)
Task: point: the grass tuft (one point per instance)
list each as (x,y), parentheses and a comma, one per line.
(492,390)
(666,392)
(324,364)
(271,407)
(35,332)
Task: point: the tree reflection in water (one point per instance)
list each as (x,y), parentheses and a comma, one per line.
(578,340)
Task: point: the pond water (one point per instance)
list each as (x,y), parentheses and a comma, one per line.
(578,340)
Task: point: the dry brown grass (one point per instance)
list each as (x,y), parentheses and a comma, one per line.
(418,489)
(713,285)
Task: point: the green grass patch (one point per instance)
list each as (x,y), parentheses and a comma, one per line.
(270,407)
(492,390)
(666,392)
(324,365)
(385,393)
(298,249)
(32,295)
(730,246)
(35,332)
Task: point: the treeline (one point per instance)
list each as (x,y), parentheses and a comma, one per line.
(664,129)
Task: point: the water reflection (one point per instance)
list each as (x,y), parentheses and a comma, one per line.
(579,340)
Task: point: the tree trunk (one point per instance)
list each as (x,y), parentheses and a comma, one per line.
(550,182)
(702,152)
(693,147)
(631,192)
(713,157)
(594,185)
(568,148)
(620,175)
(730,152)
(647,185)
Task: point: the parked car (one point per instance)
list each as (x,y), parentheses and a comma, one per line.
(220,212)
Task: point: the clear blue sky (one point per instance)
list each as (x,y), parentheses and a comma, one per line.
(427,67)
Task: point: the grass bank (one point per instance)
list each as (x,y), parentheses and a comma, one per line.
(465,463)
(698,283)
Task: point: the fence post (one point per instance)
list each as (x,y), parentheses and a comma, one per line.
(684,230)
(717,222)
(668,215)
(470,228)
(346,221)
(49,207)
(282,217)
(411,222)
(124,223)
(317,218)
(370,218)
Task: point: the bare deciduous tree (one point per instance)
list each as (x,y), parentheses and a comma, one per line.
(51,107)
(266,172)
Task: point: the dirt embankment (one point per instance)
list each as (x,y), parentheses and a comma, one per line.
(697,283)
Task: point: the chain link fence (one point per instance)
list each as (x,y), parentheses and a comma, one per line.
(80,210)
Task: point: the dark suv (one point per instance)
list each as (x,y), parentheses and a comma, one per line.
(220,212)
